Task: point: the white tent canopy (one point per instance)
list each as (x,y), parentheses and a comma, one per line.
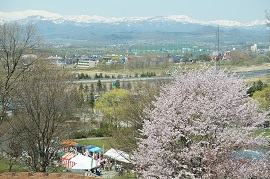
(86,163)
(118,155)
(79,158)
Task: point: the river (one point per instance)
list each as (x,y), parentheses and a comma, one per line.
(254,73)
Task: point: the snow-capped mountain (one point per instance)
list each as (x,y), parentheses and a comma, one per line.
(93,28)
(40,15)
(13,16)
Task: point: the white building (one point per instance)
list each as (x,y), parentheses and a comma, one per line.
(254,48)
(87,63)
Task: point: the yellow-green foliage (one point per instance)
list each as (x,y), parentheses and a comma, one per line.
(112,105)
(263,97)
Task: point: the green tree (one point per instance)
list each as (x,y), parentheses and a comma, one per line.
(263,97)
(91,100)
(251,90)
(92,88)
(204,57)
(100,75)
(117,84)
(99,86)
(111,86)
(82,76)
(259,85)
(86,88)
(104,88)
(142,95)
(129,86)
(112,105)
(81,87)
(123,85)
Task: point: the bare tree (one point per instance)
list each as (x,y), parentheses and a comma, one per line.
(44,106)
(11,149)
(15,41)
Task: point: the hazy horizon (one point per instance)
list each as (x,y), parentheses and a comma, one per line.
(206,10)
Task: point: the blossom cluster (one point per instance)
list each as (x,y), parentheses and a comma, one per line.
(198,122)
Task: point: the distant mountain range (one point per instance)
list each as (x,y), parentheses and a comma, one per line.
(60,28)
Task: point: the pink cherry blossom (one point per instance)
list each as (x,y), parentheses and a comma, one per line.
(198,122)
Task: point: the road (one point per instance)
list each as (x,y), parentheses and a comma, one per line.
(109,80)
(246,74)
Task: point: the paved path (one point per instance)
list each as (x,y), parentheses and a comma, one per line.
(108,174)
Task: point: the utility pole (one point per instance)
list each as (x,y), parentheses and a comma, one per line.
(218,39)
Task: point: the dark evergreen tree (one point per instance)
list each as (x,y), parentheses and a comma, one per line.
(117,84)
(111,86)
(259,85)
(86,88)
(92,88)
(129,86)
(100,75)
(250,91)
(104,88)
(81,87)
(91,101)
(123,85)
(99,86)
(82,76)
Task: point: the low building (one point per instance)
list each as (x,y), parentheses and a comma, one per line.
(87,63)
(254,48)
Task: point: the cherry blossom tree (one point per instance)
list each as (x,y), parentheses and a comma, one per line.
(198,124)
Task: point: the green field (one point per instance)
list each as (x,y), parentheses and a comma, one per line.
(264,132)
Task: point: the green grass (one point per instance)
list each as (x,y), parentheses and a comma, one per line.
(4,167)
(99,142)
(264,132)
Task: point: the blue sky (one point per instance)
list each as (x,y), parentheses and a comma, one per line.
(239,10)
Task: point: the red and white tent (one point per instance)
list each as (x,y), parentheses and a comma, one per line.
(66,160)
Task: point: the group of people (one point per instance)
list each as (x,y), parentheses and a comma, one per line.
(106,164)
(93,172)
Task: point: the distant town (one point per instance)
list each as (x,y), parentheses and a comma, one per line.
(177,52)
